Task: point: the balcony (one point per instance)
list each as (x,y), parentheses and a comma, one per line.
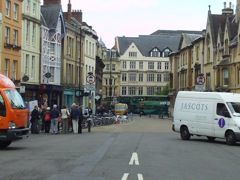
(12,46)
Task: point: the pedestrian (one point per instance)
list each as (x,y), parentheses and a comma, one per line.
(90,111)
(43,118)
(35,116)
(74,115)
(80,120)
(86,112)
(55,114)
(47,118)
(65,122)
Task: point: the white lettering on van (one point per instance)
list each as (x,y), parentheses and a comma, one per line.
(194,106)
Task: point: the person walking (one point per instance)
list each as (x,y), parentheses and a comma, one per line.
(65,122)
(80,120)
(55,113)
(75,116)
(34,120)
(47,118)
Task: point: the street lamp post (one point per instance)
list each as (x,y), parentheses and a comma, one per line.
(80,63)
(110,80)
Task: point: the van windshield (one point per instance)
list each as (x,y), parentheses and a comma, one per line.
(234,108)
(15,99)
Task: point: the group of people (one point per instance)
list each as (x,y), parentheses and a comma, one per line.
(53,119)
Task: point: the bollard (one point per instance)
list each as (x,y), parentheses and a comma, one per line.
(131,116)
(89,125)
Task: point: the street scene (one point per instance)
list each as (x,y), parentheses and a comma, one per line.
(145,148)
(162,104)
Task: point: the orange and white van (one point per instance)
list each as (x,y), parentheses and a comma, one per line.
(13,113)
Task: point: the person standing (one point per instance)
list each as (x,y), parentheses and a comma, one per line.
(90,111)
(80,120)
(75,116)
(54,119)
(34,120)
(43,118)
(47,118)
(65,114)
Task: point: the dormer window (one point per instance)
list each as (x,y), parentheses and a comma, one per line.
(155,53)
(166,53)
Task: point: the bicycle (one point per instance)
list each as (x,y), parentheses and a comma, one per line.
(85,123)
(97,121)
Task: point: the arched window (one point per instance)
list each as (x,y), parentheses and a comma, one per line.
(208,47)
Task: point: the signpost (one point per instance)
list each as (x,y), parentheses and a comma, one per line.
(200,83)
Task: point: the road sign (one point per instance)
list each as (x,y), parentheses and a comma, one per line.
(90,79)
(199,87)
(200,80)
(90,87)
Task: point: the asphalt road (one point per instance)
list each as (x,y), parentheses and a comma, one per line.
(144,148)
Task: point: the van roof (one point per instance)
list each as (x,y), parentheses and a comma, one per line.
(5,82)
(226,96)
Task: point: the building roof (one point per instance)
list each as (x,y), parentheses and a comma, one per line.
(160,39)
(188,39)
(174,32)
(145,43)
(50,14)
(216,22)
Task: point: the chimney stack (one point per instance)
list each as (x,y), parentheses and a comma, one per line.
(69,11)
(227,11)
(237,11)
(77,14)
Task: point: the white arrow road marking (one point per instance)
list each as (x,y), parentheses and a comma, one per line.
(125,176)
(134,158)
(140,177)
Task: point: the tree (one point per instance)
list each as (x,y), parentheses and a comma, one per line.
(164,91)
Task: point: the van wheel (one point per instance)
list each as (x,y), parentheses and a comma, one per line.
(230,138)
(211,138)
(4,144)
(185,133)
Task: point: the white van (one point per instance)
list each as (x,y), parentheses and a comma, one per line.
(210,114)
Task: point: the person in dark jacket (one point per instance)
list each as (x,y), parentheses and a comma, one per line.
(75,115)
(55,113)
(42,118)
(34,120)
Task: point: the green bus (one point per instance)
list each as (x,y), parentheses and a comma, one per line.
(133,102)
(154,108)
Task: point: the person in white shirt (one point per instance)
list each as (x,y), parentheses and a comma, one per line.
(64,116)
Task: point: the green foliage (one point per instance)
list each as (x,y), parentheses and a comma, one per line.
(164,91)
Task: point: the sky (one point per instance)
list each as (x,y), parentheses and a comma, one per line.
(131,18)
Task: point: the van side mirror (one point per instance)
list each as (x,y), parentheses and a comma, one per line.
(226,114)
